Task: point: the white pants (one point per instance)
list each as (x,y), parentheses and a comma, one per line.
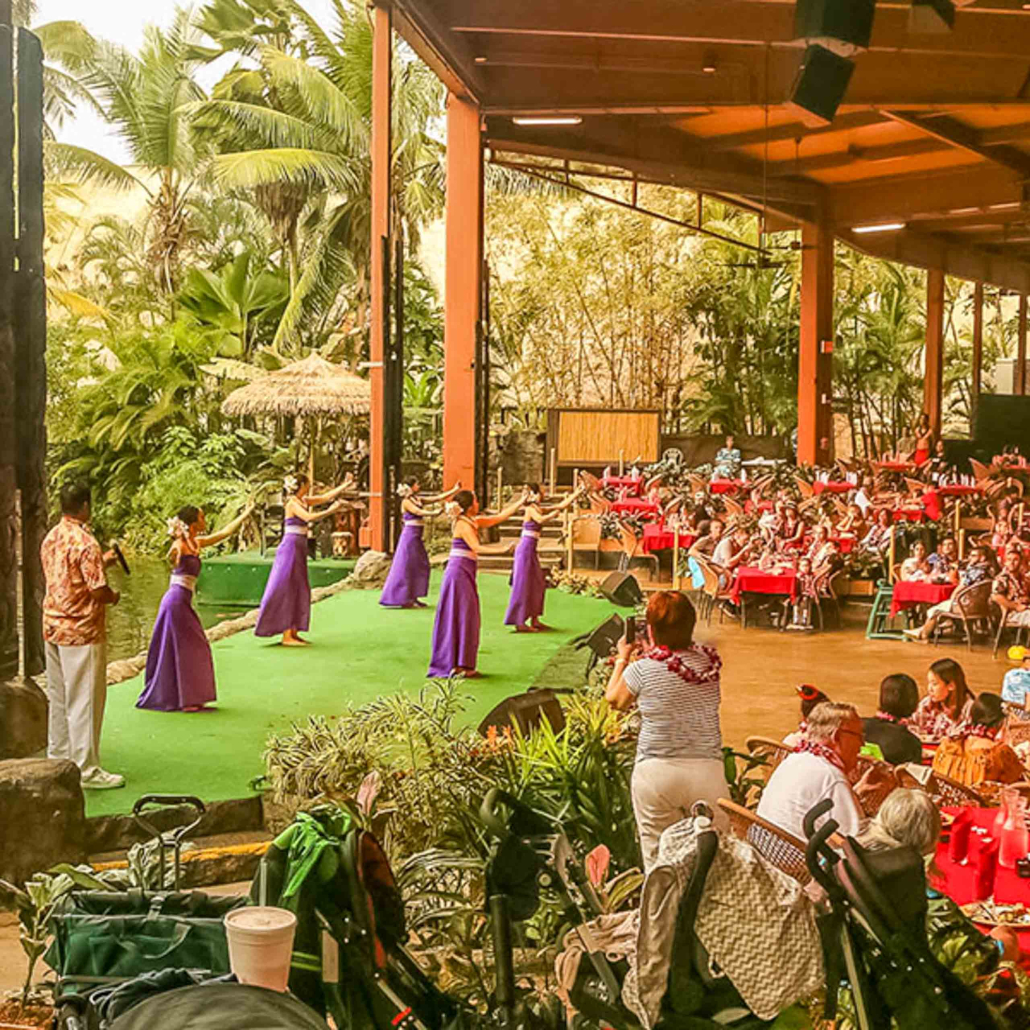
(1018,618)
(77,690)
(664,789)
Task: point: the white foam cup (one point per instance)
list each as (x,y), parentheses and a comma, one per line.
(261,945)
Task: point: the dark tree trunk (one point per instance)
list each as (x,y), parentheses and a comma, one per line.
(30,355)
(8,447)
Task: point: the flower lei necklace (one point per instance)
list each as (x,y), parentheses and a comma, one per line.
(978,730)
(821,750)
(674,662)
(887,717)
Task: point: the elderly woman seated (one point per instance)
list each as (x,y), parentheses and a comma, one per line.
(979,754)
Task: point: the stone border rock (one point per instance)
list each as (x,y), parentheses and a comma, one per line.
(369,574)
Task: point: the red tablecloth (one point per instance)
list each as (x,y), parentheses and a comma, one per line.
(910,515)
(959,490)
(751,580)
(623,482)
(832,488)
(895,466)
(908,595)
(658,538)
(726,486)
(845,544)
(635,506)
(957,881)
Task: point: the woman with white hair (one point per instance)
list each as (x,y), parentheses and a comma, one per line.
(907,818)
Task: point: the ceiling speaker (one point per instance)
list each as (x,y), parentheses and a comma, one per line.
(843,26)
(820,85)
(929,16)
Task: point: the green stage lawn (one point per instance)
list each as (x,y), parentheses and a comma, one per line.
(358,651)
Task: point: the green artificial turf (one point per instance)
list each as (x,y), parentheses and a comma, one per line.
(358,651)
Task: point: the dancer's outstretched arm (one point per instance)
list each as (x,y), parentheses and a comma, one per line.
(433,498)
(347,484)
(223,534)
(486,521)
(552,513)
(299,512)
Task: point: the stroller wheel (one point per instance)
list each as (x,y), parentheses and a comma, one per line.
(72,1015)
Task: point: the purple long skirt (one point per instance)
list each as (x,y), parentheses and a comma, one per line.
(527,585)
(180,671)
(408,579)
(456,630)
(286,603)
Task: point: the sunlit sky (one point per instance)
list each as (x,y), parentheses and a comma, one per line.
(123,21)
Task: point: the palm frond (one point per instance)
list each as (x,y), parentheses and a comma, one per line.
(67,161)
(316,168)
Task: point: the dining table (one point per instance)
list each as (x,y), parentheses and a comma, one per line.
(660,538)
(634,484)
(726,486)
(912,593)
(750,579)
(832,487)
(959,490)
(635,506)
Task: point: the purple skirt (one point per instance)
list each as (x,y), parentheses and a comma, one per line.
(408,579)
(527,585)
(180,671)
(286,603)
(456,630)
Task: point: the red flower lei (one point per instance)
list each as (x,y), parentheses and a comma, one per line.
(887,717)
(988,732)
(674,662)
(821,750)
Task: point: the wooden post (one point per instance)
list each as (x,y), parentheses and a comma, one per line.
(9,657)
(815,348)
(622,464)
(976,372)
(31,319)
(675,558)
(1020,378)
(570,524)
(500,487)
(933,379)
(554,469)
(379,256)
(463,291)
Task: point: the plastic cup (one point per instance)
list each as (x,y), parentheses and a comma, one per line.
(261,945)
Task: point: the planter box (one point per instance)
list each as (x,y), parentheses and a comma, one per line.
(857,588)
(975,524)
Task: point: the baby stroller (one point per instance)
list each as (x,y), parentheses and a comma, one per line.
(875,938)
(106,938)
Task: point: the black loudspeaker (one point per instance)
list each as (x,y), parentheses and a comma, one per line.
(1002,420)
(622,589)
(847,22)
(526,711)
(821,83)
(602,640)
(930,16)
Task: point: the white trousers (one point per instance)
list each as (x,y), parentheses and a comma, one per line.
(1018,618)
(664,789)
(77,691)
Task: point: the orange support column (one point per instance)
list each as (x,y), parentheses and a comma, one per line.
(1020,378)
(382,56)
(463,290)
(815,351)
(933,379)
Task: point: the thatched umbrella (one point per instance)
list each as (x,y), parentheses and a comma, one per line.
(309,389)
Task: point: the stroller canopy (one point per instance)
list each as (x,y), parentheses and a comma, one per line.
(220,1006)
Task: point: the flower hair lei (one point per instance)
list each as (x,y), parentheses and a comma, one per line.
(177,529)
(291,484)
(452,510)
(404,491)
(674,662)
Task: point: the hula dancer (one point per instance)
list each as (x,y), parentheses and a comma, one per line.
(456,630)
(286,604)
(528,587)
(408,580)
(180,674)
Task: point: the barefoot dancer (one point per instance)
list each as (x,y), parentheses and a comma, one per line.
(456,631)
(408,580)
(286,605)
(527,575)
(180,674)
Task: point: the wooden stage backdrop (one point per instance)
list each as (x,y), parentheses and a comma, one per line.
(591,437)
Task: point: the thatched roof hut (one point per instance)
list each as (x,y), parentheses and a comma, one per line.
(310,388)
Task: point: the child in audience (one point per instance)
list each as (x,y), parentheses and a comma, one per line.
(810,697)
(1015,687)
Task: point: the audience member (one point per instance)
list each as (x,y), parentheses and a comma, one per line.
(818,769)
(709,535)
(978,754)
(946,708)
(915,567)
(1009,591)
(1015,687)
(865,495)
(727,461)
(878,540)
(980,567)
(675,686)
(810,697)
(899,697)
(944,565)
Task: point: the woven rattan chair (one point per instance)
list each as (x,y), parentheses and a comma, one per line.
(631,550)
(871,802)
(970,607)
(951,792)
(712,589)
(776,846)
(774,750)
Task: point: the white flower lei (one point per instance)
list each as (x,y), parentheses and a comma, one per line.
(291,484)
(177,529)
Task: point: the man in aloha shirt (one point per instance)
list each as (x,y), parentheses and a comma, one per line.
(75,632)
(727,461)
(1009,591)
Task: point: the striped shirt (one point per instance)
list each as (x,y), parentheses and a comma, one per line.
(678,719)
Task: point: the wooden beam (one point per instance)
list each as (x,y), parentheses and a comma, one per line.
(976,372)
(858,156)
(382,152)
(815,361)
(1020,376)
(1004,134)
(446,54)
(933,377)
(955,133)
(463,289)
(793,130)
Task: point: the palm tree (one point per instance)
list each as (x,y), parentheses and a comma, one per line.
(296,129)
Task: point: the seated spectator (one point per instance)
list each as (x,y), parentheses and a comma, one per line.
(733,549)
(978,754)
(818,769)
(727,461)
(981,566)
(1015,687)
(945,710)
(878,540)
(899,697)
(864,496)
(821,550)
(810,697)
(699,512)
(854,523)
(944,562)
(675,687)
(1009,591)
(708,536)
(907,818)
(792,532)
(1001,537)
(915,568)
(771,522)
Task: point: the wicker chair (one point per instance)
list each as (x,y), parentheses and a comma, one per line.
(805,489)
(951,792)
(776,846)
(631,549)
(871,802)
(980,470)
(734,509)
(970,606)
(586,536)
(711,589)
(774,750)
